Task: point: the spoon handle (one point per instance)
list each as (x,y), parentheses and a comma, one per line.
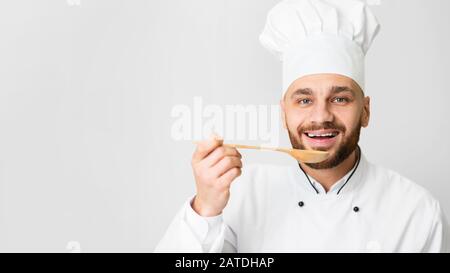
(241,146)
(250,147)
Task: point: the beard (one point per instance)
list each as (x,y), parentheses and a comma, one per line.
(347,145)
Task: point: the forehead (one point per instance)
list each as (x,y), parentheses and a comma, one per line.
(322,83)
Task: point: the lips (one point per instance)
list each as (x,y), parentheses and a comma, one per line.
(321,138)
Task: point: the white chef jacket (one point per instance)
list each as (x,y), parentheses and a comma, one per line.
(281,209)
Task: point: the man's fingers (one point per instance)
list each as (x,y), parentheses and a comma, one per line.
(228,177)
(205,147)
(225,164)
(220,152)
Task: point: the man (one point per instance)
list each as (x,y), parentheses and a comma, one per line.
(344,203)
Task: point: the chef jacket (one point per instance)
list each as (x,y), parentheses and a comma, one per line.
(282,209)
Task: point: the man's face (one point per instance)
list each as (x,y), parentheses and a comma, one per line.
(325,112)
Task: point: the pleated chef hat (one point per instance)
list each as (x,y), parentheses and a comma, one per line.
(320,36)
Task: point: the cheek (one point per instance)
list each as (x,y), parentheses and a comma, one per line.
(294,120)
(349,119)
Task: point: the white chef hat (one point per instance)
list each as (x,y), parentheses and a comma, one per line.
(320,36)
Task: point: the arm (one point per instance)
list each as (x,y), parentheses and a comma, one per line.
(199,226)
(190,232)
(439,236)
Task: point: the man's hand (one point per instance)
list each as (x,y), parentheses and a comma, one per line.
(215,167)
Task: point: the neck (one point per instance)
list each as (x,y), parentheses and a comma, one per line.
(328,177)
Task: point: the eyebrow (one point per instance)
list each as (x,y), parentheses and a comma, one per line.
(340,89)
(302,91)
(334,90)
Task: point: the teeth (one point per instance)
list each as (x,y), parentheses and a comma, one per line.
(322,135)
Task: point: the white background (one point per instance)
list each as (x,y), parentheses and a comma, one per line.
(86,93)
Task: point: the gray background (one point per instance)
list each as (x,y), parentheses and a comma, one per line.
(86,92)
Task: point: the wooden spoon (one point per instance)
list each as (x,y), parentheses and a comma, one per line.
(305,156)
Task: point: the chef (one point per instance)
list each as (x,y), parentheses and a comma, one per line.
(343,204)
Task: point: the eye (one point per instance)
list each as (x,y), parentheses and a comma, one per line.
(304,101)
(341,100)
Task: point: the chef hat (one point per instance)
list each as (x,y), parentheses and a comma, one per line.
(320,36)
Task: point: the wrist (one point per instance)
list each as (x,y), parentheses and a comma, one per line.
(203,210)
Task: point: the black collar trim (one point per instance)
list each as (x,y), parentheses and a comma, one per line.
(354,170)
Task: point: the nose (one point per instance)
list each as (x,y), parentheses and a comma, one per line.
(320,113)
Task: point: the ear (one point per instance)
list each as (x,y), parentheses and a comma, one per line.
(366,112)
(283,113)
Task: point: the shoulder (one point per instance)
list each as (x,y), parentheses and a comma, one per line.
(407,205)
(394,186)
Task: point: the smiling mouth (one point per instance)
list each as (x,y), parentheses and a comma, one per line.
(322,134)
